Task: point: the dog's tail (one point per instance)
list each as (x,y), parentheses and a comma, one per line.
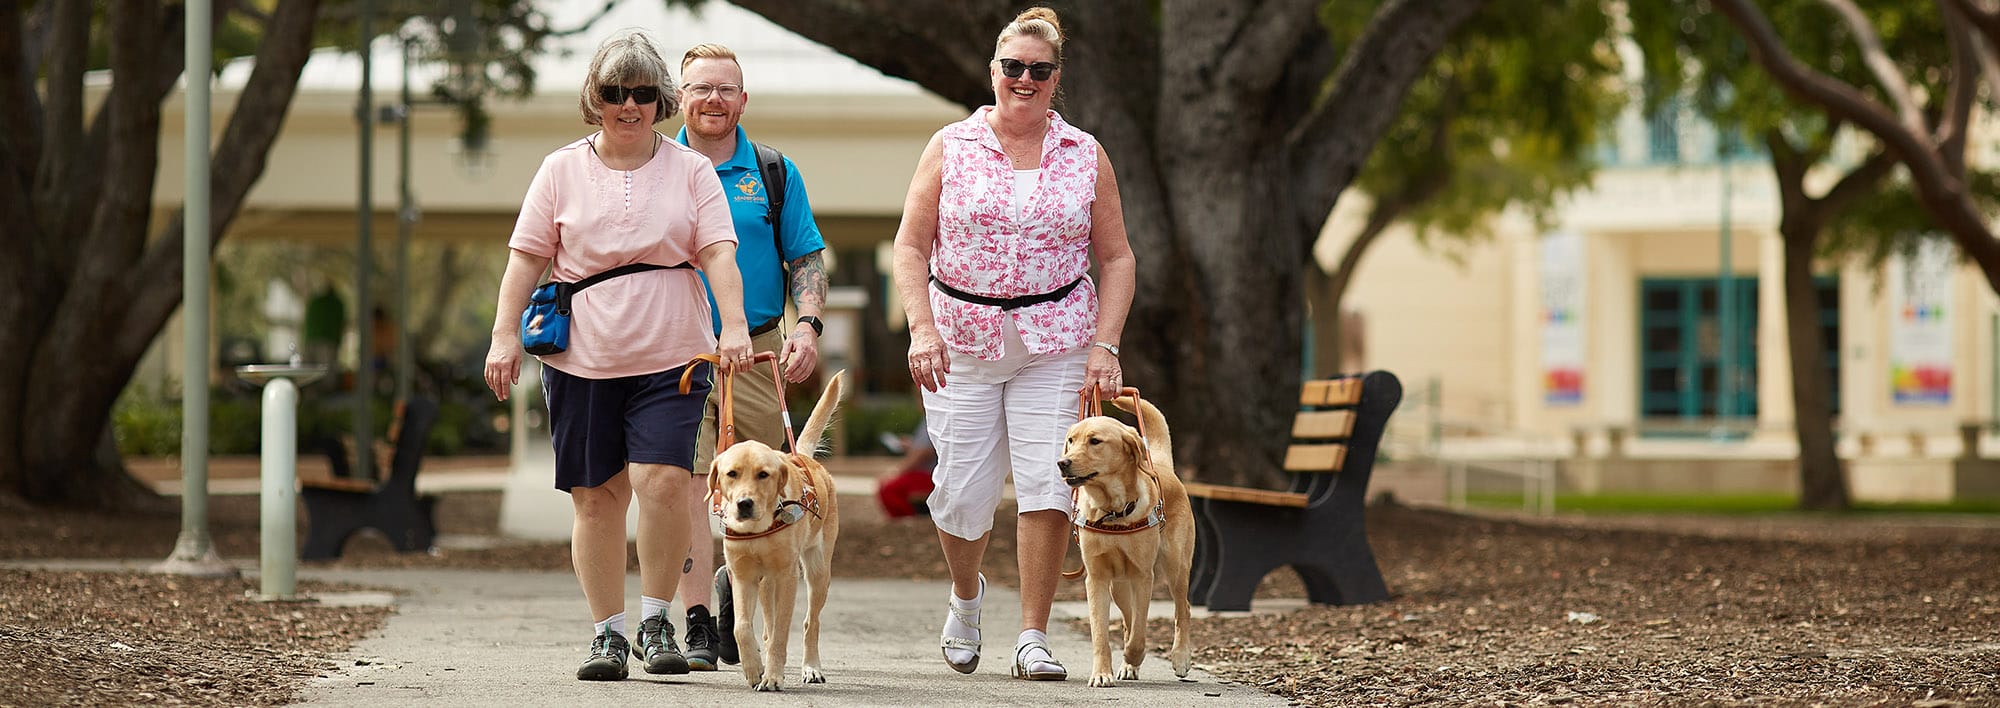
(1157,437)
(815,430)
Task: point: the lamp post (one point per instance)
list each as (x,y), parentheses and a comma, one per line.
(364,254)
(194,552)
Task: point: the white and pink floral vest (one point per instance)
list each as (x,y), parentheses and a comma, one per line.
(984,248)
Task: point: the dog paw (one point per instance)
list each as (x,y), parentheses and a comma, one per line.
(1102,681)
(770,684)
(1181,666)
(1128,672)
(812,674)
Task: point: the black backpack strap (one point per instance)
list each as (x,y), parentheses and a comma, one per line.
(771,165)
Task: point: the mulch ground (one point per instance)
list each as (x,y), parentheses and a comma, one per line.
(1790,610)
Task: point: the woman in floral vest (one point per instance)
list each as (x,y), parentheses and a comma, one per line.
(992,261)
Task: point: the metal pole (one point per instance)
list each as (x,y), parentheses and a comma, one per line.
(405,220)
(1725,384)
(364,259)
(278,569)
(194,552)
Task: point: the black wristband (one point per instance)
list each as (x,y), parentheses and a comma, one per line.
(819,328)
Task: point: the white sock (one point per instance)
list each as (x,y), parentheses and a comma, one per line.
(953,627)
(1037,660)
(650,607)
(614,623)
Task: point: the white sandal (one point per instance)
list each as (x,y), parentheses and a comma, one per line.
(969,618)
(1022,670)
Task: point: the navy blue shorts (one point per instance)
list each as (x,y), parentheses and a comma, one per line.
(601,424)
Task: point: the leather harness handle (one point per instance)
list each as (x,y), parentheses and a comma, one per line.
(1091,403)
(725,421)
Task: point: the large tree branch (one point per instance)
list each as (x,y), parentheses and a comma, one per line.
(240,159)
(1887,74)
(1252,56)
(906,40)
(1859,182)
(1956,124)
(1330,144)
(1944,195)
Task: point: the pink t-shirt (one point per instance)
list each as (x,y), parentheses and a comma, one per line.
(589,218)
(983,247)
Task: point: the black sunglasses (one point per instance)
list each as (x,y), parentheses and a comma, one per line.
(615,95)
(1039,71)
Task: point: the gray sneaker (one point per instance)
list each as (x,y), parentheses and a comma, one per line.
(607,659)
(701,639)
(657,648)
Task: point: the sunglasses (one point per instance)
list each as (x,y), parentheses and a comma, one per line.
(1039,71)
(615,95)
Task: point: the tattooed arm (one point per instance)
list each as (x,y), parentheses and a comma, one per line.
(808,285)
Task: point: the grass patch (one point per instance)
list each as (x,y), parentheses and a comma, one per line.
(1721,504)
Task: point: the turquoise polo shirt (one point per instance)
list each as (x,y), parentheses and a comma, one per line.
(757,259)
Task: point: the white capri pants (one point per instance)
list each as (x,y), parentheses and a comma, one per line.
(993,417)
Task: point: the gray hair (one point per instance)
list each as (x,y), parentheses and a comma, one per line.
(629,59)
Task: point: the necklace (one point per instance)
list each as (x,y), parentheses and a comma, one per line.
(606,161)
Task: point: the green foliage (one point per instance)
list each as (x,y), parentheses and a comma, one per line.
(1693,51)
(1507,117)
(864,420)
(142,424)
(1721,504)
(147,424)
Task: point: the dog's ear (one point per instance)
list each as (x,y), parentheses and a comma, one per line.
(789,469)
(714,479)
(1134,446)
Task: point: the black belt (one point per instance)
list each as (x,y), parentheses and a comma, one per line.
(1008,303)
(768,325)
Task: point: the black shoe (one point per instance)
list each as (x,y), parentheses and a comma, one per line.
(607,659)
(701,639)
(657,648)
(725,618)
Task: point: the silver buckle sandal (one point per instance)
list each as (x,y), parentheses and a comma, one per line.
(969,618)
(1021,670)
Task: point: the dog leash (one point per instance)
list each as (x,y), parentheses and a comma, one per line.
(725,436)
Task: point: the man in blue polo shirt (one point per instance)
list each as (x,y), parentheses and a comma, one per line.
(713,99)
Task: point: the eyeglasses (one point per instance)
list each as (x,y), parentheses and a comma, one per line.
(615,95)
(726,92)
(1039,71)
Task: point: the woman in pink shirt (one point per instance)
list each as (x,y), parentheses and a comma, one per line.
(992,262)
(622,430)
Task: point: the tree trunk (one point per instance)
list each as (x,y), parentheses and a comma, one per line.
(1822,480)
(94,288)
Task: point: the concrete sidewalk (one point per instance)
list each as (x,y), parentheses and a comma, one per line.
(515,639)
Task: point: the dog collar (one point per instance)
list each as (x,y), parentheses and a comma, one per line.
(788,512)
(1153,518)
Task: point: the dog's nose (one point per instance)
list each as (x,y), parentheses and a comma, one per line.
(745,508)
(1063,464)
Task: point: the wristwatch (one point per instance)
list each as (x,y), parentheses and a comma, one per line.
(1106,346)
(819,328)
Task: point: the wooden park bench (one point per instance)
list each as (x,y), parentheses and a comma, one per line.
(1242,534)
(339,507)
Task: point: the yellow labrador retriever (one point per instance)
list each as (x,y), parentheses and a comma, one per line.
(779,520)
(1135,524)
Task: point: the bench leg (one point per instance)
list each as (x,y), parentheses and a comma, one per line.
(1205,544)
(331,518)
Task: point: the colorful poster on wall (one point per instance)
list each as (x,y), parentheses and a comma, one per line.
(1919,330)
(1562,318)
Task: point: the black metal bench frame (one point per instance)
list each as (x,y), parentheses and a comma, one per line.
(1316,528)
(338,508)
